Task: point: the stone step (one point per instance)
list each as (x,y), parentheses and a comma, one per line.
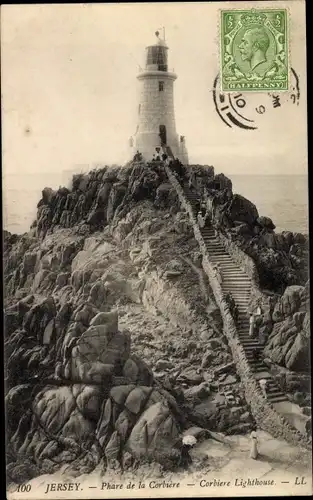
(218,254)
(212,243)
(279,399)
(273,391)
(236,272)
(218,258)
(268,377)
(246,342)
(224,258)
(257,366)
(233,273)
(258,369)
(239,283)
(248,349)
(237,278)
(273,388)
(240,286)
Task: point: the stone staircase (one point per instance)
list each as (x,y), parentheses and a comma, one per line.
(238,283)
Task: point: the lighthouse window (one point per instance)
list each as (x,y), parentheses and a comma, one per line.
(161,86)
(139,108)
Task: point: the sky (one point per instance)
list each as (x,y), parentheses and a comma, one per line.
(69,88)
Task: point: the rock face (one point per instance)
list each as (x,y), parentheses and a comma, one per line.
(287,328)
(90,378)
(114,344)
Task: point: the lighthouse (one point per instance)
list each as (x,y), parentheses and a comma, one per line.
(156,128)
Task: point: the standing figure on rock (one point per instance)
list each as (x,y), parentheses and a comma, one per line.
(218,273)
(254,445)
(192,180)
(209,210)
(251,325)
(230,302)
(201,220)
(236,314)
(187,443)
(263,384)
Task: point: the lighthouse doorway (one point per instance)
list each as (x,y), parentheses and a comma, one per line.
(162,135)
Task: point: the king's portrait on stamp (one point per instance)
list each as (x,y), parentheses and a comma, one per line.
(254,50)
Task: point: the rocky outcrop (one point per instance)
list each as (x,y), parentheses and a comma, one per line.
(86,385)
(286,327)
(113,339)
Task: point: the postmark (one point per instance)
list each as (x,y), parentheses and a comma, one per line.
(245,110)
(254,50)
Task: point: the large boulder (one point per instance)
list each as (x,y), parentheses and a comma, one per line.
(289,303)
(265,222)
(100,352)
(155,435)
(242,210)
(221,182)
(289,342)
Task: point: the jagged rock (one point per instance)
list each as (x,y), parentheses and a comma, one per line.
(288,344)
(136,371)
(191,376)
(288,304)
(197,392)
(39,316)
(265,222)
(163,364)
(166,196)
(116,197)
(155,435)
(297,358)
(241,209)
(225,368)
(47,195)
(100,351)
(229,380)
(221,182)
(207,358)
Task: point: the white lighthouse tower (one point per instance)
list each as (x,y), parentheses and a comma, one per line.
(156,126)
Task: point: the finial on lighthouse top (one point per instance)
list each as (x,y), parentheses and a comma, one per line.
(160,41)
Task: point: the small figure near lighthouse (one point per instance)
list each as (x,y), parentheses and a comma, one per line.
(156,126)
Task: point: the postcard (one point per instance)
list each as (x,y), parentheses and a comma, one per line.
(156,250)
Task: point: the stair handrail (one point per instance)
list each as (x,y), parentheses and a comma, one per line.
(263,411)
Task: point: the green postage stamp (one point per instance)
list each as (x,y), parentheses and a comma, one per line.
(254,50)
